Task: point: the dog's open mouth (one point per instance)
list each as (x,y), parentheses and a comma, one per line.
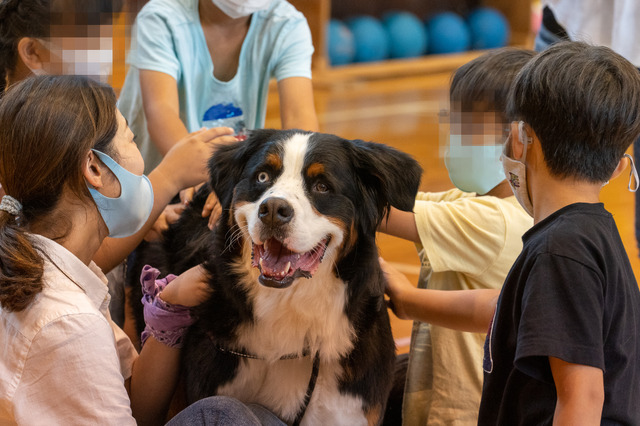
(279,266)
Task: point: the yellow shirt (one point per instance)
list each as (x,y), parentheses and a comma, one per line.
(467,242)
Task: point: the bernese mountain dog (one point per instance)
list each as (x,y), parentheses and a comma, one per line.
(296,320)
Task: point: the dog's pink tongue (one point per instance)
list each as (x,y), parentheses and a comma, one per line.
(277,259)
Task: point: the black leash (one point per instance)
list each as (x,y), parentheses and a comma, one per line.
(312,385)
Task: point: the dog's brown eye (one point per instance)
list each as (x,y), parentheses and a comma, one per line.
(320,187)
(263,177)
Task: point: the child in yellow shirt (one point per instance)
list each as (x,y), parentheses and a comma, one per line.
(468,238)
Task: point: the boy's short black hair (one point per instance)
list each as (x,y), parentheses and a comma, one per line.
(482,85)
(583,103)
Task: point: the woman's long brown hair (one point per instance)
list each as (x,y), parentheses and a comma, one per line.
(47,126)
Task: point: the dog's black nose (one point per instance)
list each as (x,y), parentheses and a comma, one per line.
(275,212)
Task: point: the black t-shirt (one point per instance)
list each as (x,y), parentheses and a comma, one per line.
(571,294)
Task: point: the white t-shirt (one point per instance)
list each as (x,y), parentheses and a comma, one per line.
(467,242)
(168,38)
(62,360)
(611,23)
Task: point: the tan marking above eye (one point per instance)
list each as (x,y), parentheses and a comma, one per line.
(274,161)
(315,169)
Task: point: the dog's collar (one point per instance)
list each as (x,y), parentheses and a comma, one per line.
(304,354)
(312,380)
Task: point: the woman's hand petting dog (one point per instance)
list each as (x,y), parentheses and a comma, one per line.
(190,288)
(397,287)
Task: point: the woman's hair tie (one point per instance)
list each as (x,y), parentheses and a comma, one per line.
(10,205)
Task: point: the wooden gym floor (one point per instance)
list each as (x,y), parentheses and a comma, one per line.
(402,112)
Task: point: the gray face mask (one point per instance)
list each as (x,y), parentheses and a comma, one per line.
(125,215)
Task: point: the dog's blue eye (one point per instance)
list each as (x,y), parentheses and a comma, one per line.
(320,187)
(263,177)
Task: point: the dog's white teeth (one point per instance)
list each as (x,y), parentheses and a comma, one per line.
(286,268)
(261,260)
(265,245)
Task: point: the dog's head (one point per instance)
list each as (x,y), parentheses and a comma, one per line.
(302,197)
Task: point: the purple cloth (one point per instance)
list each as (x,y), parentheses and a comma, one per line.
(167,323)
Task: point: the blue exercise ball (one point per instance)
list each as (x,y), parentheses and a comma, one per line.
(370,38)
(447,33)
(406,33)
(489,28)
(340,44)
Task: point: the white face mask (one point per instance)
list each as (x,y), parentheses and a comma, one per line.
(516,171)
(94,63)
(633,175)
(37,71)
(240,8)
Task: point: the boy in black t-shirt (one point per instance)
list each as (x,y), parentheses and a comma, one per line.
(563,343)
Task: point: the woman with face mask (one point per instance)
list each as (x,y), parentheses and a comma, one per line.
(73,176)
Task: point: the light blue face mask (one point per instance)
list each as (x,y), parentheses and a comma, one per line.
(126,214)
(474,168)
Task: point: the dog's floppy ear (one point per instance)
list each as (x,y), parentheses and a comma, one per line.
(389,177)
(227,163)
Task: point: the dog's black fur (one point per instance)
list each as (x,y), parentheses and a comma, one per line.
(365,180)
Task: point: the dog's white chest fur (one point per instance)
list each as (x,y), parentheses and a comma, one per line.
(283,385)
(307,318)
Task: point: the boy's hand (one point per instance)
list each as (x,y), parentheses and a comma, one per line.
(191,288)
(186,162)
(213,209)
(397,288)
(170,214)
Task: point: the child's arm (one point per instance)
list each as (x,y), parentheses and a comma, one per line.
(400,224)
(464,310)
(155,373)
(297,110)
(162,109)
(580,390)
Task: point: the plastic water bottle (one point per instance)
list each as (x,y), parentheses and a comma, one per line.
(226,115)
